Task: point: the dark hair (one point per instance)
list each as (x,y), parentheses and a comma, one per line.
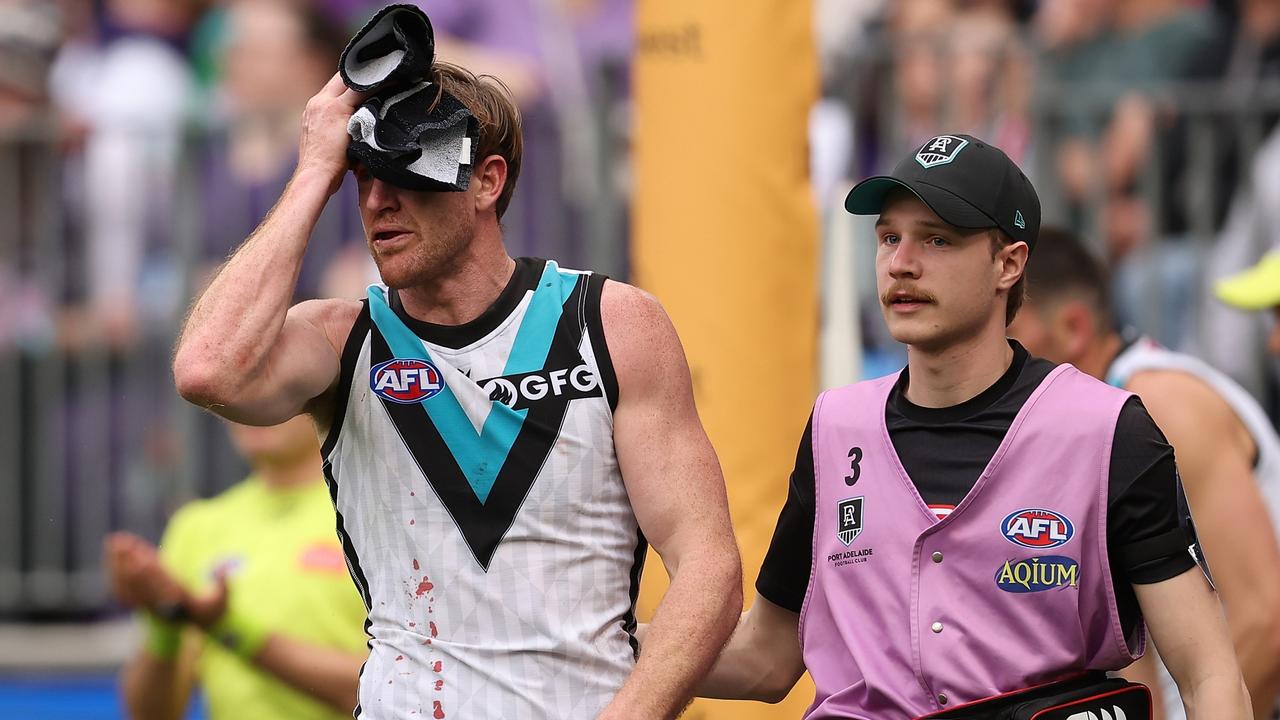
(495,112)
(1064,267)
(1017,293)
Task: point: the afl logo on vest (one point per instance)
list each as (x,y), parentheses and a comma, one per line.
(1037,528)
(405,381)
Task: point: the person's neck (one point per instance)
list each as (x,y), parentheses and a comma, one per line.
(462,293)
(288,473)
(959,372)
(1097,358)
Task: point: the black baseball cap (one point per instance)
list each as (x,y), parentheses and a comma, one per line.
(967,182)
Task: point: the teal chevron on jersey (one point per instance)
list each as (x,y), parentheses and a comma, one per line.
(481,456)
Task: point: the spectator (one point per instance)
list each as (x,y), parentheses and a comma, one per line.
(1111,126)
(961,66)
(570,208)
(275,54)
(141,89)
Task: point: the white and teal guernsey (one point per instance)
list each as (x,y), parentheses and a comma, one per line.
(480,505)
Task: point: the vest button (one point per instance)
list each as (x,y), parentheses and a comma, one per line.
(942,698)
(936,627)
(937,557)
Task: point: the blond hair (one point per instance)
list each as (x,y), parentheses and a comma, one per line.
(489,100)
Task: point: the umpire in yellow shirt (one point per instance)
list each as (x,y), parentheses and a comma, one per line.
(248,595)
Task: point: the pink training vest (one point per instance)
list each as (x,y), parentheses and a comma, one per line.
(907,614)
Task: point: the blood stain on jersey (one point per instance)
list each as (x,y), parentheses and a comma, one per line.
(439,685)
(405,381)
(437,665)
(424,587)
(415,564)
(434,631)
(399,658)
(437,711)
(1037,528)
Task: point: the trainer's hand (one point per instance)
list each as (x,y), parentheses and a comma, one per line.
(322,146)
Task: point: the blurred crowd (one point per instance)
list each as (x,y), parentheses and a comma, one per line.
(142,140)
(1143,123)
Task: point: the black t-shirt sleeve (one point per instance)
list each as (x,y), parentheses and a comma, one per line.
(1145,499)
(784,574)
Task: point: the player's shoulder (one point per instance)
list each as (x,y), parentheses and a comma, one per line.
(625,304)
(1181,400)
(1160,385)
(634,320)
(642,342)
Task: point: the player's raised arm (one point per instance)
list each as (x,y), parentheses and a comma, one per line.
(243,353)
(677,490)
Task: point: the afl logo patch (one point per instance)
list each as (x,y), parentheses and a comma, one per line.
(405,381)
(1037,528)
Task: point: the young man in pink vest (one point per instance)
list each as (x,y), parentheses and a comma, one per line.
(984,522)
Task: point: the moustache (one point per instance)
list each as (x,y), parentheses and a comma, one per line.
(916,294)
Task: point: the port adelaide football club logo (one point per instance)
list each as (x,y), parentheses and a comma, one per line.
(849,523)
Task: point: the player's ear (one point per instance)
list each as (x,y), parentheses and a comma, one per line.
(490,175)
(1078,328)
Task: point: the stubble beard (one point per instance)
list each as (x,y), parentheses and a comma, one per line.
(425,263)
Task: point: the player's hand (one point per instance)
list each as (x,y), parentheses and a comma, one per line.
(322,147)
(135,575)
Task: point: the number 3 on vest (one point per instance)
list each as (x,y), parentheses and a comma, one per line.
(855,457)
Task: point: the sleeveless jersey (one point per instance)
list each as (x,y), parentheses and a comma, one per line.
(906,613)
(481,508)
(1147,354)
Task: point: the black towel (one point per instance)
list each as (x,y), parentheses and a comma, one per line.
(411,133)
